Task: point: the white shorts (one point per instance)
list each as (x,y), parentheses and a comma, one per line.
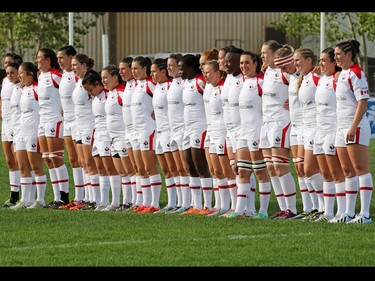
(29,143)
(144,140)
(230,140)
(296,135)
(308,138)
(52,129)
(70,129)
(249,139)
(275,134)
(218,145)
(325,143)
(6,131)
(119,147)
(362,136)
(196,136)
(163,143)
(179,139)
(102,144)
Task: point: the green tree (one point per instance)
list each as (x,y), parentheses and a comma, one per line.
(22,32)
(338,27)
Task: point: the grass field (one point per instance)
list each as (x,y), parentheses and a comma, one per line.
(55,238)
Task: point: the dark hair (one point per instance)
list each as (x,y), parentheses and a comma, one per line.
(192,61)
(91,78)
(29,67)
(350,46)
(234,49)
(114,71)
(68,50)
(255,58)
(14,64)
(144,62)
(15,57)
(128,61)
(162,64)
(331,54)
(50,54)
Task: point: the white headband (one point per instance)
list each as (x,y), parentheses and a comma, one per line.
(284,60)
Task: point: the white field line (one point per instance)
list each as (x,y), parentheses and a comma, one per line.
(108,243)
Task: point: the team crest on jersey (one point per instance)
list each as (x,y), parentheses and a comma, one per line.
(163,89)
(238,83)
(251,86)
(47,80)
(142,86)
(70,78)
(192,87)
(178,83)
(308,82)
(277,75)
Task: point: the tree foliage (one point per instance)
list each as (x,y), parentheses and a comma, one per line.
(22,32)
(338,27)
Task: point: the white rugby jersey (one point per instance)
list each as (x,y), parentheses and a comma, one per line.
(82,105)
(67,86)
(250,104)
(98,109)
(126,104)
(141,105)
(224,96)
(306,96)
(15,108)
(206,99)
(275,93)
(352,86)
(29,107)
(6,93)
(325,99)
(113,108)
(233,96)
(216,108)
(175,104)
(50,108)
(295,107)
(193,101)
(160,104)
